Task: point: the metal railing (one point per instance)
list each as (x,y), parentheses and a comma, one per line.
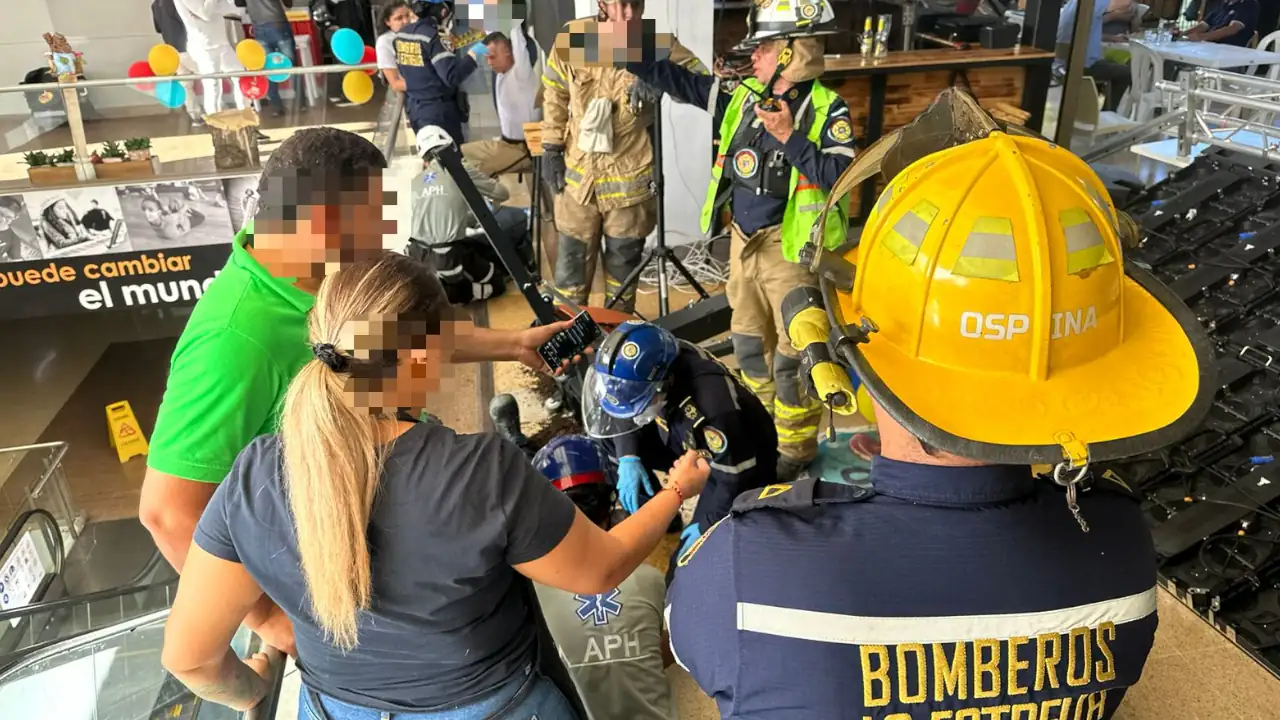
(48,490)
(71,93)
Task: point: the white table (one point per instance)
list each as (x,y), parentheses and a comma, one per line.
(1166,151)
(1209,55)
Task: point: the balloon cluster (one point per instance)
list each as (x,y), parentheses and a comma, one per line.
(349,49)
(163,61)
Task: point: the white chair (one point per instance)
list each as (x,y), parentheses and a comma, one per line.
(1145,70)
(1091,120)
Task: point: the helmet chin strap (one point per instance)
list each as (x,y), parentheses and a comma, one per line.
(767,101)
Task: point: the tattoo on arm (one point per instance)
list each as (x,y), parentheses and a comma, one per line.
(236,685)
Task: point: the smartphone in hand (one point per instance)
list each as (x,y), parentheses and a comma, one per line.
(570,342)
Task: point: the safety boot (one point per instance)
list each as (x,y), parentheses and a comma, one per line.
(505,413)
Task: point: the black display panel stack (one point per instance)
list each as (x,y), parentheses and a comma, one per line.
(1212,233)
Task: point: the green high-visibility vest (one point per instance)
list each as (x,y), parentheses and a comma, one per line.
(806,201)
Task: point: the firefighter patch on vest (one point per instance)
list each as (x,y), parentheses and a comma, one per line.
(747,163)
(716,441)
(840,131)
(630,350)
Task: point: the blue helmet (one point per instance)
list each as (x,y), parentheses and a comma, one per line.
(572,461)
(631,365)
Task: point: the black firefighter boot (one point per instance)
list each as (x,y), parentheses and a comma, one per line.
(505,413)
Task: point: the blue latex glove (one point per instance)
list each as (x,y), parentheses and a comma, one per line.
(479,49)
(688,537)
(632,477)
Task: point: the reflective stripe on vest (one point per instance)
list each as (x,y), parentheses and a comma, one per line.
(807,199)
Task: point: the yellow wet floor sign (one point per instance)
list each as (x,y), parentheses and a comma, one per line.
(126,433)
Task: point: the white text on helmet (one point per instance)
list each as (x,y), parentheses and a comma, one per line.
(1074,322)
(994,326)
(997,326)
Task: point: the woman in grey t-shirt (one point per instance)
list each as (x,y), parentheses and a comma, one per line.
(398,550)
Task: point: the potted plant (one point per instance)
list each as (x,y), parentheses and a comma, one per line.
(139,148)
(43,170)
(112,152)
(64,158)
(36,159)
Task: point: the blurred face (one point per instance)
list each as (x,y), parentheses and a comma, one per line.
(764,60)
(622,11)
(401,17)
(326,237)
(500,58)
(7,216)
(422,366)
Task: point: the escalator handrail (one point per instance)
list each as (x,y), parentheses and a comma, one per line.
(265,710)
(80,641)
(15,531)
(108,594)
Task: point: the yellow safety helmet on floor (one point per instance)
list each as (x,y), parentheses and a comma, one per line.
(1002,322)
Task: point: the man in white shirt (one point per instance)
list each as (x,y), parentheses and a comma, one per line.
(209,47)
(516,61)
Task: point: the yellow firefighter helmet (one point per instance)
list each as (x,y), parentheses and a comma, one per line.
(1000,320)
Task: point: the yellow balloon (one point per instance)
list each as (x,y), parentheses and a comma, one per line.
(357,86)
(163,59)
(864,404)
(251,54)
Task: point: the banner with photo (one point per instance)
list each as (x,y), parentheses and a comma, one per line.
(97,248)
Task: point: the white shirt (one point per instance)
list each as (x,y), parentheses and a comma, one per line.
(206,27)
(385,48)
(517,89)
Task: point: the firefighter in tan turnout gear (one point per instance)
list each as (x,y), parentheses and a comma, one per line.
(598,158)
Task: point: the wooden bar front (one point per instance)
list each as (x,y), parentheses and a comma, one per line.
(886,94)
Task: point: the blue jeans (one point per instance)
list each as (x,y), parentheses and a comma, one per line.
(277,37)
(528,696)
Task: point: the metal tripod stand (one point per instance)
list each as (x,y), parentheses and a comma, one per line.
(660,253)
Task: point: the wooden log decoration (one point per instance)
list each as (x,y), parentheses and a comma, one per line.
(235,138)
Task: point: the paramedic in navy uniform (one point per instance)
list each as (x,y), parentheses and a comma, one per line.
(959,586)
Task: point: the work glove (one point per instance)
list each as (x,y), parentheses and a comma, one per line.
(553,168)
(641,94)
(633,479)
(688,537)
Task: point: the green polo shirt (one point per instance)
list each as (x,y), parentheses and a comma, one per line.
(245,341)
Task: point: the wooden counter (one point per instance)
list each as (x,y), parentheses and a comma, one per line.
(886,94)
(935,59)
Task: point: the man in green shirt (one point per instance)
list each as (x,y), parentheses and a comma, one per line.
(321,207)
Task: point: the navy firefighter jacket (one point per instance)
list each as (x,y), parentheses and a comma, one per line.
(433,77)
(941,593)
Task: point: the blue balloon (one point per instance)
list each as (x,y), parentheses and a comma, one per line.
(347,46)
(278,61)
(170,93)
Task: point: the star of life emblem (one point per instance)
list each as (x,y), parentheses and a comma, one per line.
(598,608)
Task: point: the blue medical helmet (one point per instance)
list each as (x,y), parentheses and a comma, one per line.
(572,461)
(631,365)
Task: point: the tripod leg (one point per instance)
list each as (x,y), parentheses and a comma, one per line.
(688,276)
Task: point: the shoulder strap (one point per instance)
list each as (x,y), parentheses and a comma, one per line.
(800,495)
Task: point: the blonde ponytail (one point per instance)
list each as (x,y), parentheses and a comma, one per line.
(331,447)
